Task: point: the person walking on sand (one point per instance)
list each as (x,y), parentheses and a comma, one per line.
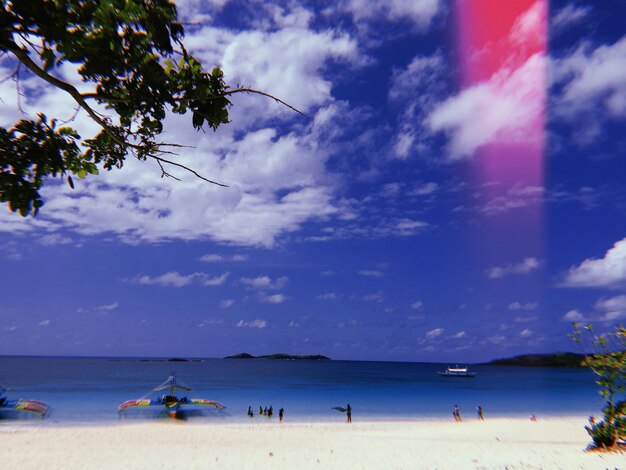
(456,412)
(349,413)
(281,414)
(480,412)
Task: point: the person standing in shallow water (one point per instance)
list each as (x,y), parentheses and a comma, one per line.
(349,413)
(456,412)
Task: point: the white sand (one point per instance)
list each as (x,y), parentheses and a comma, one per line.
(494,443)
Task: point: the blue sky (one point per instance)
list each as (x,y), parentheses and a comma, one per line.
(362,232)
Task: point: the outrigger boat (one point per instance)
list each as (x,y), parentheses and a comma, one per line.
(170,401)
(457,372)
(21,404)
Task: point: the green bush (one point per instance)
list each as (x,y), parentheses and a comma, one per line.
(602,434)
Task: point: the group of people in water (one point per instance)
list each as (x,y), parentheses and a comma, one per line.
(456,413)
(269,412)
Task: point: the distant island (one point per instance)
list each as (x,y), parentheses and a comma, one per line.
(316,357)
(562,359)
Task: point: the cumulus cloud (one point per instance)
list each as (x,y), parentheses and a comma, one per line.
(609,271)
(524,267)
(591,80)
(605,310)
(276,174)
(434,333)
(175,279)
(613,308)
(296,73)
(420,13)
(252,324)
(417,90)
(273,299)
(264,282)
(510,105)
(568,16)
(460,334)
(573,316)
(526,333)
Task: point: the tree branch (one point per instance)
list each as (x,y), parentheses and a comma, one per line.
(24,58)
(95,95)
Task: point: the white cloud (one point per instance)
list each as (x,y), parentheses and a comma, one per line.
(52,239)
(11,251)
(569,15)
(374,297)
(613,308)
(434,333)
(371,273)
(252,324)
(264,282)
(227,303)
(420,12)
(417,305)
(107,308)
(593,81)
(277,180)
(460,334)
(210,322)
(44,323)
(530,24)
(526,333)
(497,339)
(175,279)
(520,306)
(216,281)
(510,105)
(327,273)
(605,310)
(296,73)
(211,258)
(609,271)
(425,189)
(515,197)
(524,267)
(416,90)
(273,299)
(329,296)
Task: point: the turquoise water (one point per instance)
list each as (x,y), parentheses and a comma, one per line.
(80,390)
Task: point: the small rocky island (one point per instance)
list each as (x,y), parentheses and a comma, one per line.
(562,359)
(289,357)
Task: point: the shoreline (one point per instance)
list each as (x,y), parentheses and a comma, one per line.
(496,443)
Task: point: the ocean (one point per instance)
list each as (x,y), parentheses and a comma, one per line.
(88,390)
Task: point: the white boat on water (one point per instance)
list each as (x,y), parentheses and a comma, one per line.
(457,372)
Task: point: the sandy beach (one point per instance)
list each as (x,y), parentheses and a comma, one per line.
(556,443)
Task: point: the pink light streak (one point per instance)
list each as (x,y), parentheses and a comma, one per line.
(502,54)
(497,120)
